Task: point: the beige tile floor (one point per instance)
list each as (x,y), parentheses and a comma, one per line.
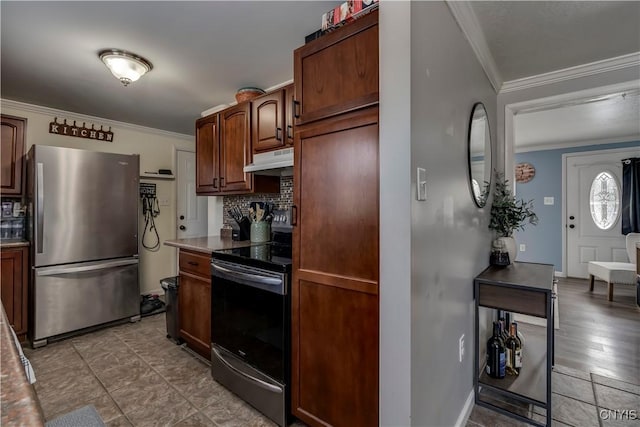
(134,376)
(579,399)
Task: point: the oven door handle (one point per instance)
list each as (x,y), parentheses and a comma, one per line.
(258,381)
(272,281)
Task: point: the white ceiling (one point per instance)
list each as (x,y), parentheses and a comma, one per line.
(528,38)
(603,119)
(204,51)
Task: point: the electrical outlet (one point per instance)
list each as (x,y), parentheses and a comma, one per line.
(548,200)
(461,348)
(163,202)
(523,247)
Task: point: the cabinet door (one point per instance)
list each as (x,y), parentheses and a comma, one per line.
(11,154)
(13,287)
(267,122)
(335,279)
(207,147)
(338,72)
(194,301)
(289,97)
(235,149)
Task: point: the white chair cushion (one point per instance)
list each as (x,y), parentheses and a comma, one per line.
(614,272)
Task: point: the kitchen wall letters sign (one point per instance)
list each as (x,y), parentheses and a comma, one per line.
(80,132)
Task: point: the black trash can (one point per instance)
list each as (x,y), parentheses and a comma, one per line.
(170,286)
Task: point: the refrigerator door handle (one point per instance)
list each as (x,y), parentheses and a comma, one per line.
(40,207)
(51,271)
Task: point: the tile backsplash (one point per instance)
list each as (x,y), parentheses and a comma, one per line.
(283,200)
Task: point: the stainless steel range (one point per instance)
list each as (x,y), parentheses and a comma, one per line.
(250,321)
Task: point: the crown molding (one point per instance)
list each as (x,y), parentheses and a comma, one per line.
(584,70)
(221,107)
(8,103)
(574,144)
(468,23)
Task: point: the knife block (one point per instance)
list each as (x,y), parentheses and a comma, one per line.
(245,229)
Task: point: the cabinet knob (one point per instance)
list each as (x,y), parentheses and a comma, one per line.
(572,226)
(182,227)
(181,216)
(572,217)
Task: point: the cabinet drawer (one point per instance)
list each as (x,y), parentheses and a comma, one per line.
(195,263)
(533,303)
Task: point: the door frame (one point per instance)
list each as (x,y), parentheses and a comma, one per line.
(565,156)
(511,110)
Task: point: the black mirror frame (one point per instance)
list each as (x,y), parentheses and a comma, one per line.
(485,185)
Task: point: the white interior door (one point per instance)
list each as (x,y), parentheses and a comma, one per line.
(191,210)
(593,219)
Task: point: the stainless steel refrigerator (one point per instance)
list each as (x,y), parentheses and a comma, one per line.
(83,210)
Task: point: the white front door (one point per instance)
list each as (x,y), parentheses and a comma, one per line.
(191,210)
(593,219)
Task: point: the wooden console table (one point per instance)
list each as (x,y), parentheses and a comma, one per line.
(524,288)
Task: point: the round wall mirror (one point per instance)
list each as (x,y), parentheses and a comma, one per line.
(479,153)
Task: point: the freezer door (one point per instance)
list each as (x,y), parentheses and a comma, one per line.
(75,296)
(84,205)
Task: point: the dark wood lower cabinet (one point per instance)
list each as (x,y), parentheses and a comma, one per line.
(194,301)
(14,287)
(335,297)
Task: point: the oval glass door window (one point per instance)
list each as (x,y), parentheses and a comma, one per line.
(604,199)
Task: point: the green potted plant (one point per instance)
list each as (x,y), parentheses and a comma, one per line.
(508,215)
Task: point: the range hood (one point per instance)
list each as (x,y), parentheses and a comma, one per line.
(279,162)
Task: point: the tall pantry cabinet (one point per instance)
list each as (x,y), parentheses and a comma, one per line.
(335,293)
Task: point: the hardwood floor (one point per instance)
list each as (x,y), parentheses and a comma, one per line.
(597,335)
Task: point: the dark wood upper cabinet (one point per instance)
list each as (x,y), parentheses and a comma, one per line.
(207,148)
(12,154)
(338,72)
(223,147)
(267,122)
(235,148)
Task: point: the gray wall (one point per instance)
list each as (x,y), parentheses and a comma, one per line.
(395,206)
(450,241)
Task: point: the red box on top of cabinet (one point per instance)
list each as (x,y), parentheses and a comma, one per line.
(346,12)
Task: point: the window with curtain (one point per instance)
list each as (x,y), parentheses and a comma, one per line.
(631,195)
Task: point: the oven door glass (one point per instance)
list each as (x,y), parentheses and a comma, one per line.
(250,323)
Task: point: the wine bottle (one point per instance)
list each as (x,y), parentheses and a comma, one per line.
(496,356)
(505,326)
(514,351)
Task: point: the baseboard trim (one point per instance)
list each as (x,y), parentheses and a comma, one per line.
(466,410)
(559,274)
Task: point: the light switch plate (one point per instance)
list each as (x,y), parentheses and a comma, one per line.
(421,184)
(548,201)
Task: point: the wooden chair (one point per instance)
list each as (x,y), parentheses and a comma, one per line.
(616,272)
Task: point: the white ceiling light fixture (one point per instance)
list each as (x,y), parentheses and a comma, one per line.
(125,66)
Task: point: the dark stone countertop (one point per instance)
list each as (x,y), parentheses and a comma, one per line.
(19,403)
(207,244)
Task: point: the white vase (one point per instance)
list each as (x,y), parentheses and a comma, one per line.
(509,244)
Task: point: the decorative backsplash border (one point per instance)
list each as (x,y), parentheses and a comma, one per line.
(283,200)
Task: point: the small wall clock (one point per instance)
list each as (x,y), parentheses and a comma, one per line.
(525,172)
